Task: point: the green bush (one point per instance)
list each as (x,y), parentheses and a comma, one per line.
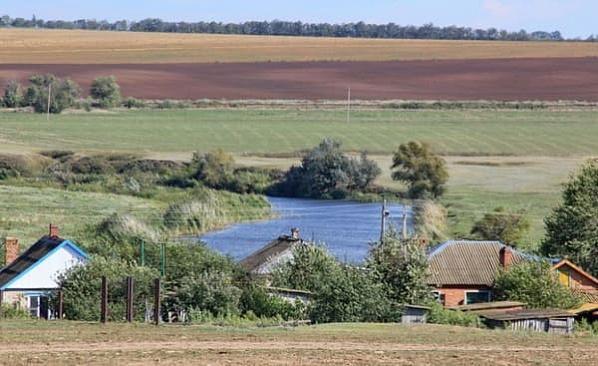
(440,315)
(63,93)
(131,102)
(105,89)
(13,311)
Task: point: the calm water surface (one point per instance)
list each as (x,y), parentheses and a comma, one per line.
(346,227)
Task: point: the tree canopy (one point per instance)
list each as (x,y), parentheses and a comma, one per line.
(106,90)
(424,173)
(533,283)
(63,93)
(507,227)
(572,227)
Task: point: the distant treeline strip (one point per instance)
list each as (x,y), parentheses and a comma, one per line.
(286,28)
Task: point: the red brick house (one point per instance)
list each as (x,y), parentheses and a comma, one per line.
(463,272)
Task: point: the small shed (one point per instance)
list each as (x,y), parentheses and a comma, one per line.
(415,314)
(539,320)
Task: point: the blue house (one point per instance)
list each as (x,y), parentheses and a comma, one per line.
(29,279)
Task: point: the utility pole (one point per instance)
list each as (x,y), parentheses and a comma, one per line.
(404,227)
(49,94)
(348,104)
(385,214)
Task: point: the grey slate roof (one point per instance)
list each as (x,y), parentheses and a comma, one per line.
(468,263)
(37,251)
(271,250)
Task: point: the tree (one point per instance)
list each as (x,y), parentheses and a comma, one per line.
(424,173)
(325,172)
(106,90)
(12,95)
(63,93)
(534,283)
(402,265)
(215,169)
(572,227)
(508,227)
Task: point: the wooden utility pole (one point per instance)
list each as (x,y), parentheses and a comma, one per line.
(49,94)
(104,304)
(404,222)
(60,304)
(157,300)
(348,104)
(385,214)
(130,298)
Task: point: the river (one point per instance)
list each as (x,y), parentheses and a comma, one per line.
(346,227)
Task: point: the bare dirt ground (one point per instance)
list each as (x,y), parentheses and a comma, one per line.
(547,79)
(292,353)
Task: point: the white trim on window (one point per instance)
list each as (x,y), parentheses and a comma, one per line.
(488,292)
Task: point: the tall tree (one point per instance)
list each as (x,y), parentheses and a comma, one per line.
(424,173)
(572,227)
(402,265)
(63,93)
(106,90)
(508,227)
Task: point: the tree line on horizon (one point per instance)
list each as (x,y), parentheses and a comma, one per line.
(294,28)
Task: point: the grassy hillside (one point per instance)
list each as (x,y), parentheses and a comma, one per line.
(81,47)
(460,132)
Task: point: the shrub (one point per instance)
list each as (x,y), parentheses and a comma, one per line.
(131,102)
(508,227)
(63,94)
(106,90)
(12,94)
(91,165)
(440,315)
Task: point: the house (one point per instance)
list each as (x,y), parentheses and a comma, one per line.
(29,279)
(463,272)
(262,261)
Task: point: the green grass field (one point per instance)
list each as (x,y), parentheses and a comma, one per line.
(75,343)
(511,159)
(283,131)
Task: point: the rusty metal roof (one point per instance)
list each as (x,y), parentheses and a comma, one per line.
(469,263)
(488,306)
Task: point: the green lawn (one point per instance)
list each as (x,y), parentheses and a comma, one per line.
(462,132)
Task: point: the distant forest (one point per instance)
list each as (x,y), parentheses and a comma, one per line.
(285,28)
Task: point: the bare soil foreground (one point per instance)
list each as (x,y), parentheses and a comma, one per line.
(547,79)
(70,343)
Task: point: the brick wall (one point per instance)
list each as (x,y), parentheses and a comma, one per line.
(455,295)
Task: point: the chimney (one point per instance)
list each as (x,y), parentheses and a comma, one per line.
(295,233)
(11,250)
(506,257)
(53,231)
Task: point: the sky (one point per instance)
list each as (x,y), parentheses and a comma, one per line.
(574,18)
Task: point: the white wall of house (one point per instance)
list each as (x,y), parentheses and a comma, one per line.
(45,273)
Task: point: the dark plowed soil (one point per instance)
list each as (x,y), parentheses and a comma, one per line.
(492,79)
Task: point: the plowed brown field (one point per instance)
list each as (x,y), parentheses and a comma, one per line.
(489,79)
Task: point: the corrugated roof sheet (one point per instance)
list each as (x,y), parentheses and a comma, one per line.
(469,263)
(528,314)
(42,247)
(488,306)
(263,255)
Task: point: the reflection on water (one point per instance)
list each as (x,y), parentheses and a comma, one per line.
(346,227)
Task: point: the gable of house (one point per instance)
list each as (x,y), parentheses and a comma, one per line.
(39,266)
(573,276)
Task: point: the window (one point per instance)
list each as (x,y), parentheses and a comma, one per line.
(475,297)
(438,296)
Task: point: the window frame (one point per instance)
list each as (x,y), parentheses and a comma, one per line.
(488,292)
